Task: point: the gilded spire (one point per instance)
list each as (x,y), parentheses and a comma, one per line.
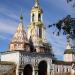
(21,16)
(36,3)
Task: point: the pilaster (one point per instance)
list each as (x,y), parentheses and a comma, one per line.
(48,68)
(35,70)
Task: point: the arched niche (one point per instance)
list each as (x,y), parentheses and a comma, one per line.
(27,70)
(42,68)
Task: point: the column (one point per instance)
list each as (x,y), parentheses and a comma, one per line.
(44,37)
(48,68)
(73,69)
(43,34)
(35,70)
(33,73)
(22,73)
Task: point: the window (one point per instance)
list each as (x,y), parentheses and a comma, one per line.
(39,17)
(19,73)
(18,45)
(40,33)
(67,70)
(57,70)
(32,17)
(21,60)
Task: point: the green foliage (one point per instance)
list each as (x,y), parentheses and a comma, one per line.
(67,25)
(48,49)
(47,46)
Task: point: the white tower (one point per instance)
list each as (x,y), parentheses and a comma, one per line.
(69,55)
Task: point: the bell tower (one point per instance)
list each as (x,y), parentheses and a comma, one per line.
(36,29)
(36,12)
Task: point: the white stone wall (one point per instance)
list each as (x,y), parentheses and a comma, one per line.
(59,69)
(73,57)
(34,61)
(23,59)
(11,57)
(68,57)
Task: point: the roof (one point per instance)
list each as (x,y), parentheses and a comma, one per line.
(6,67)
(20,34)
(59,62)
(69,51)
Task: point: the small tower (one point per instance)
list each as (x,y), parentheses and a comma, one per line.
(69,53)
(19,41)
(36,29)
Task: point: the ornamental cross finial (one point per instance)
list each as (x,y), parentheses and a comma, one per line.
(36,3)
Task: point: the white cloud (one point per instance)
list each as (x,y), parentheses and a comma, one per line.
(6,28)
(8,12)
(58,42)
(60,6)
(2,37)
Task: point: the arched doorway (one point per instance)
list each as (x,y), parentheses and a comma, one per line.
(27,70)
(42,68)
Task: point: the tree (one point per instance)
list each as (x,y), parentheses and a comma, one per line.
(48,49)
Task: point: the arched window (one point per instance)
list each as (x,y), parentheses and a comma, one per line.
(27,70)
(39,17)
(40,32)
(63,69)
(57,70)
(32,17)
(67,70)
(42,68)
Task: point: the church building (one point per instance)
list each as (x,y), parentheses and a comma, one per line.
(31,54)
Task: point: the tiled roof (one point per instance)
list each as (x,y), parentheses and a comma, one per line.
(20,35)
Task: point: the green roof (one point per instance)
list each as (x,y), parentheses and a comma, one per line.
(69,51)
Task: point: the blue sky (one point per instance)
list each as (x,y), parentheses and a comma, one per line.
(54,10)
